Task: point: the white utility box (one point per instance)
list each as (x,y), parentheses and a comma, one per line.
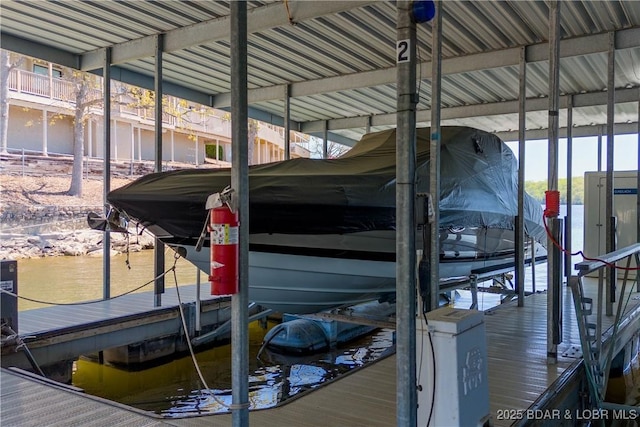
(461,382)
(625,210)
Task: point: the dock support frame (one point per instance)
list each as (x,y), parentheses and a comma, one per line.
(598,351)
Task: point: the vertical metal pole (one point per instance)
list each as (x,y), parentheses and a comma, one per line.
(406,400)
(106,172)
(434,156)
(556,323)
(240,183)
(158,267)
(533,265)
(367,128)
(599,148)
(522,124)
(568,268)
(553,279)
(198,302)
(287,122)
(325,140)
(609,225)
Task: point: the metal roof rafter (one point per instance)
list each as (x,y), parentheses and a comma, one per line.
(578,46)
(258,19)
(478,110)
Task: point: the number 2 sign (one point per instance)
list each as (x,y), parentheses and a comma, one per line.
(403,51)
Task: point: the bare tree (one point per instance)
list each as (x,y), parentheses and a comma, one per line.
(333,149)
(85,98)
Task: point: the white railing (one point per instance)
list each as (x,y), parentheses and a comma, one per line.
(23,81)
(29,83)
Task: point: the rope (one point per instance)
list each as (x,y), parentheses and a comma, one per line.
(90,302)
(196,365)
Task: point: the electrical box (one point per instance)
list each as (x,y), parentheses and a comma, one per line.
(625,210)
(460,379)
(8,303)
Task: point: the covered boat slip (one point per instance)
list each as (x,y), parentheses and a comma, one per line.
(479,75)
(519,377)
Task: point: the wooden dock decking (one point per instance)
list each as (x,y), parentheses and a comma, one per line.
(517,369)
(67,331)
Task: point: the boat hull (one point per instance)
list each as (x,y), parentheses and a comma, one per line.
(291,280)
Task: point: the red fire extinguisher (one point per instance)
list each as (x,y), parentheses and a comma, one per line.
(223,228)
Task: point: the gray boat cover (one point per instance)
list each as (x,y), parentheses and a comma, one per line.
(355,192)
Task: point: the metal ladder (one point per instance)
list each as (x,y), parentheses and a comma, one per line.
(589,338)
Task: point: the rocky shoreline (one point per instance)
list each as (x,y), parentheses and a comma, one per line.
(38,218)
(69,243)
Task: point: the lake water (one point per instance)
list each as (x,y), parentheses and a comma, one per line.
(173,389)
(72,279)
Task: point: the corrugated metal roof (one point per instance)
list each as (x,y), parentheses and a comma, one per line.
(306,46)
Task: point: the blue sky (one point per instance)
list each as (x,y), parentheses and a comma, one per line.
(585,156)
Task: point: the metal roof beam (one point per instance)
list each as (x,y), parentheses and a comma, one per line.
(579,46)
(477,110)
(39,50)
(502,58)
(576,132)
(258,19)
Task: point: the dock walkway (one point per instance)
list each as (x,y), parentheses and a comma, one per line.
(519,377)
(64,332)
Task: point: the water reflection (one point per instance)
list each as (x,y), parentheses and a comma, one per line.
(281,377)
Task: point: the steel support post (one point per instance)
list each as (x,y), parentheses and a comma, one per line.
(158,268)
(554,317)
(405,217)
(106,172)
(568,268)
(240,183)
(610,220)
(434,155)
(325,140)
(198,326)
(287,122)
(554,100)
(599,148)
(522,124)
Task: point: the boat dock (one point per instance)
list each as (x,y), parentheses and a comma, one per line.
(519,379)
(62,333)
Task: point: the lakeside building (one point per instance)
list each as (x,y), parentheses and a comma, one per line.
(41,106)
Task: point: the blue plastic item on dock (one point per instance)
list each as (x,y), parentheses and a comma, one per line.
(298,336)
(307,334)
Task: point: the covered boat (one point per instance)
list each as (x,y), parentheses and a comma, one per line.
(322,232)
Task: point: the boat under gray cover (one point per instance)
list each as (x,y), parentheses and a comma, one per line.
(300,207)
